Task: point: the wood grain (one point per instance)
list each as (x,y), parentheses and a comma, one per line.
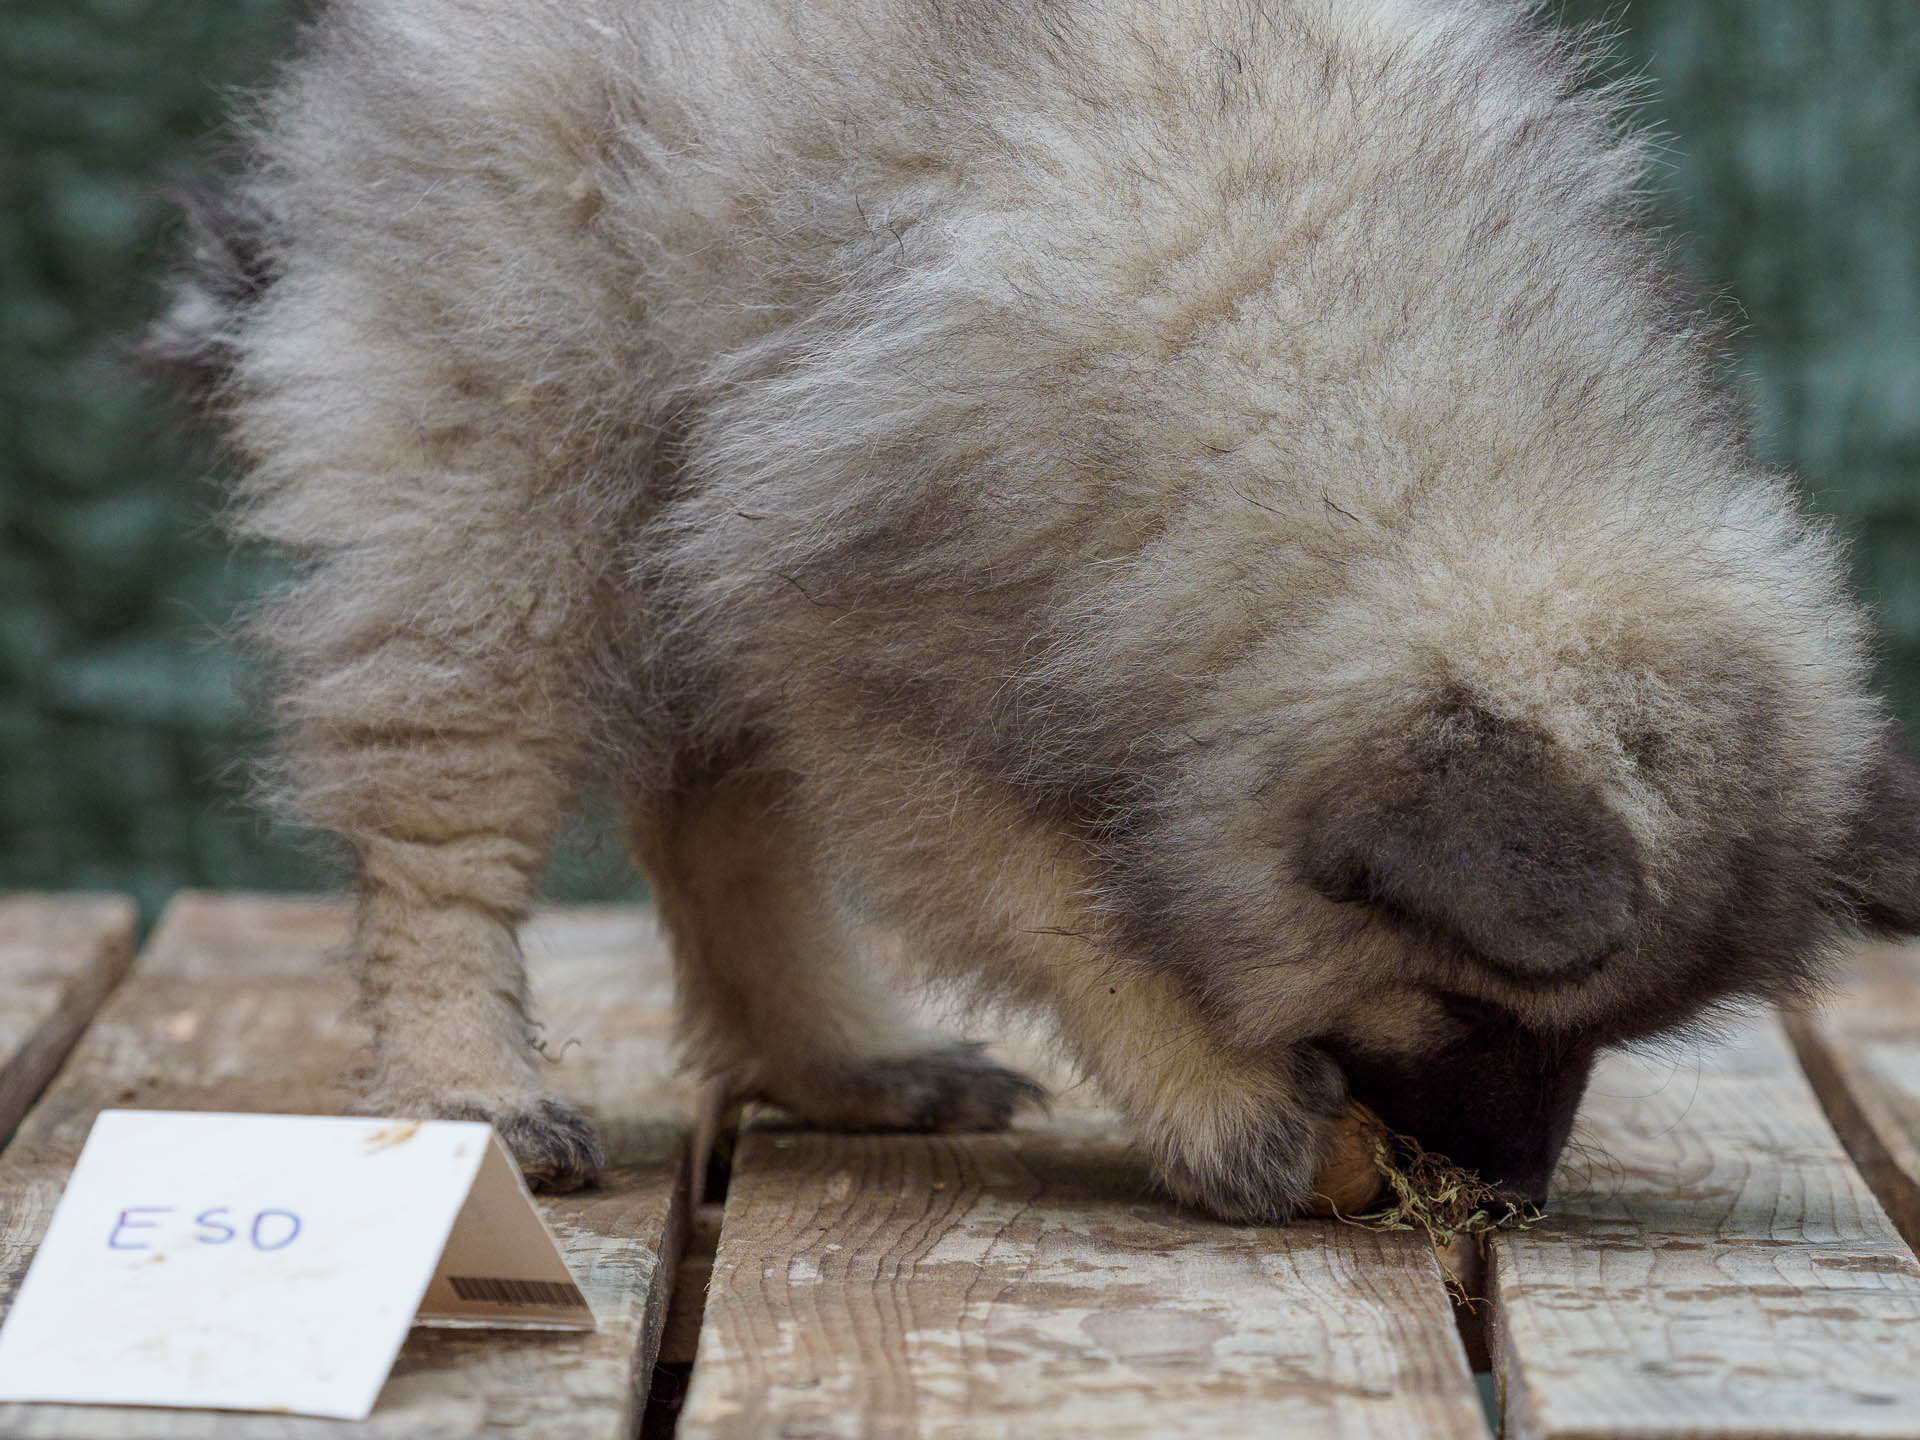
(234,1005)
(1034,1284)
(1862,1053)
(1713,1266)
(59,956)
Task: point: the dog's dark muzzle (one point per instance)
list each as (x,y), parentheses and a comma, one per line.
(1500,1100)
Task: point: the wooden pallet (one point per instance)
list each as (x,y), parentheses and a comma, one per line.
(1715,1265)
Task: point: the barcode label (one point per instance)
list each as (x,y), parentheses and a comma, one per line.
(515,1292)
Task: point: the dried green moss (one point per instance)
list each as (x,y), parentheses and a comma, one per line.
(1429,1192)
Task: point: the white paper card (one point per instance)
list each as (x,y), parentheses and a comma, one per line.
(273,1262)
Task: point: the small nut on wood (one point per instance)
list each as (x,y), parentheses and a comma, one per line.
(1350,1180)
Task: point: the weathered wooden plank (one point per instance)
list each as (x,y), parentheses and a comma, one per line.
(59,956)
(234,1006)
(1862,1053)
(1713,1266)
(1033,1284)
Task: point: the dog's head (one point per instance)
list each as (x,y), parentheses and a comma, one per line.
(1547,913)
(1463,835)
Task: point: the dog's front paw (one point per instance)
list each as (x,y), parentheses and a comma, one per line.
(1262,1178)
(555,1146)
(957,1088)
(1250,1156)
(954,1087)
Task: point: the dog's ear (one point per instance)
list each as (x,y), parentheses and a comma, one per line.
(1476,833)
(1879,868)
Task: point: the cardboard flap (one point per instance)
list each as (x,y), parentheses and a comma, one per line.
(501,1266)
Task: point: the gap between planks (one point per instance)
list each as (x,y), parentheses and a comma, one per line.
(1712,1265)
(234,1005)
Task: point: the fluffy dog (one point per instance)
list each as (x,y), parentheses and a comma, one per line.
(1210,517)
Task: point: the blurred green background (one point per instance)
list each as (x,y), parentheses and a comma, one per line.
(1794,176)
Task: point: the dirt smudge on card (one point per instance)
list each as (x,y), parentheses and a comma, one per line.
(388,1136)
